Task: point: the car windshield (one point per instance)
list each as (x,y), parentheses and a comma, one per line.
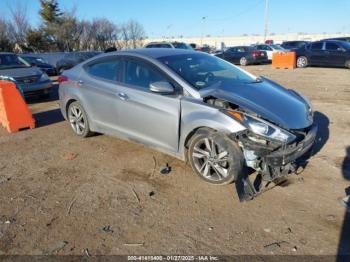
(34,60)
(277,47)
(8,61)
(182,46)
(202,70)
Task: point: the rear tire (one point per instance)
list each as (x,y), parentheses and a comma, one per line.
(243,61)
(78,120)
(214,157)
(347,64)
(302,62)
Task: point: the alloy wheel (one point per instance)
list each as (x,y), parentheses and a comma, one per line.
(76,119)
(210,160)
(302,62)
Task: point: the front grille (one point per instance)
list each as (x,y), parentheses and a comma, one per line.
(27,80)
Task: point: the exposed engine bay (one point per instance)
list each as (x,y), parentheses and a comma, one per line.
(272,160)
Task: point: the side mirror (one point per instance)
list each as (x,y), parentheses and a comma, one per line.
(161,87)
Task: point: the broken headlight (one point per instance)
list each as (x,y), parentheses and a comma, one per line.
(261,127)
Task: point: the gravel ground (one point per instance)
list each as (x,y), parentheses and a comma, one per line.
(64,195)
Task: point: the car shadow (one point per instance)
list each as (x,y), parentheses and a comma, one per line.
(322,121)
(48,118)
(344,241)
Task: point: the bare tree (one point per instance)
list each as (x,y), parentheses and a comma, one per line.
(19,25)
(86,41)
(104,34)
(133,34)
(5,41)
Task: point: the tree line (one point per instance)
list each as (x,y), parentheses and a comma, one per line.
(64,31)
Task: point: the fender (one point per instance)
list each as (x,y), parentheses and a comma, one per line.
(196,114)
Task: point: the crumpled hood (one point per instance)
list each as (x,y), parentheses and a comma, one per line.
(21,72)
(267,99)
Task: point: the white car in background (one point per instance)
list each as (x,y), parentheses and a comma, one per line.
(270,49)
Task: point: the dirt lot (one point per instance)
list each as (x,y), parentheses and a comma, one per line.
(64,195)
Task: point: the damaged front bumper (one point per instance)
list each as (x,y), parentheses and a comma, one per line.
(270,159)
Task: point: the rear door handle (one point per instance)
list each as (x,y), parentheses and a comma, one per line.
(123,96)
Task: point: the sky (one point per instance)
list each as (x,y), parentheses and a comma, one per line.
(222,17)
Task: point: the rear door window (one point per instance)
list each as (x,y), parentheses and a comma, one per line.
(232,49)
(106,69)
(317,46)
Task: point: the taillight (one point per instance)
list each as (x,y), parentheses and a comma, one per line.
(62,79)
(256,53)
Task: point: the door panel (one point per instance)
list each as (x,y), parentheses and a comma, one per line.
(149,118)
(144,116)
(101,102)
(230,56)
(317,54)
(99,79)
(335,54)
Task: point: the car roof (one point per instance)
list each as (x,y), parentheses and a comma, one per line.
(296,41)
(333,41)
(157,43)
(155,52)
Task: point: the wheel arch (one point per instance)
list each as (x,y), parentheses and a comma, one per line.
(69,102)
(226,127)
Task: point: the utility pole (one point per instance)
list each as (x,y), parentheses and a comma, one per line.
(266,31)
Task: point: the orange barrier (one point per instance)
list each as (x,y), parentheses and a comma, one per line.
(14,113)
(284,60)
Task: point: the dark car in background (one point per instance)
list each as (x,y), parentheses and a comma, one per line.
(243,55)
(293,45)
(31,80)
(330,53)
(70,60)
(41,64)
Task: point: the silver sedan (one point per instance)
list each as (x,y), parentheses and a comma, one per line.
(195,107)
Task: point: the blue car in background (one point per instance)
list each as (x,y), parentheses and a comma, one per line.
(31,80)
(40,63)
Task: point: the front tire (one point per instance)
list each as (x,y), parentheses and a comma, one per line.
(347,64)
(302,62)
(78,120)
(214,157)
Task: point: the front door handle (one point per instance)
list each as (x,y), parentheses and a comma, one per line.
(123,96)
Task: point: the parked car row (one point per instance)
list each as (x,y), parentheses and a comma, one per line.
(328,52)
